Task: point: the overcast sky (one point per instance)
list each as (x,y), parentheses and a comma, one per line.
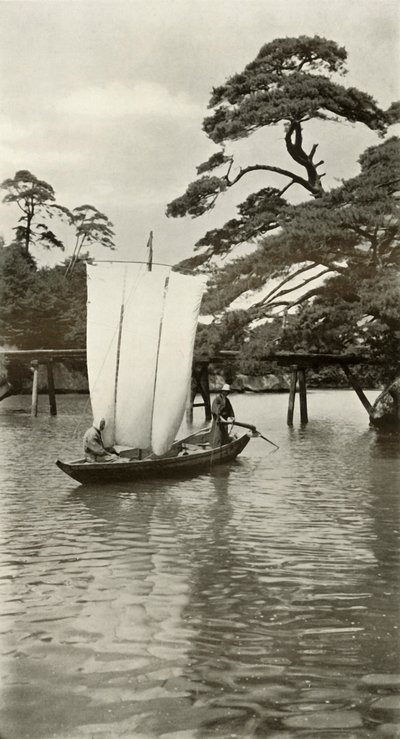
(105,100)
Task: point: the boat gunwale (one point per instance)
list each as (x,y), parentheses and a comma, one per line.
(159,462)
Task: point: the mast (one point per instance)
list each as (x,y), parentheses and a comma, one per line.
(121,321)
(150,248)
(166,285)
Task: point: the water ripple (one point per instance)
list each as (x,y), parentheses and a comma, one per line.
(261,600)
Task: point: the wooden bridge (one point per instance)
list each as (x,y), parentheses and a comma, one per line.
(297,363)
(46,357)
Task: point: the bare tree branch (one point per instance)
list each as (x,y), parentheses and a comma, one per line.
(266,167)
(294,146)
(288,279)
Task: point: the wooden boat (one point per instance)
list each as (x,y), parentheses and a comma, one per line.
(141,325)
(191,454)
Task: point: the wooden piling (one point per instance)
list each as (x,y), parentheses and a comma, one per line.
(205,391)
(34,406)
(50,389)
(189,405)
(353,382)
(200,384)
(303,396)
(292,396)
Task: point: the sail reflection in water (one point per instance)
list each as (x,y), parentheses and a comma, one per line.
(261,600)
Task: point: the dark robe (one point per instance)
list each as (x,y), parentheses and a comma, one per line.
(220,409)
(94,449)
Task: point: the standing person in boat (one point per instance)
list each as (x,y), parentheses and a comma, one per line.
(93,446)
(221,410)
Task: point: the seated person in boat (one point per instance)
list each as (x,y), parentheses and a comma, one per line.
(93,446)
(221,410)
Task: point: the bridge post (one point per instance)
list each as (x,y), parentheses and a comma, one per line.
(51,389)
(200,383)
(34,406)
(292,396)
(189,401)
(205,391)
(355,385)
(303,396)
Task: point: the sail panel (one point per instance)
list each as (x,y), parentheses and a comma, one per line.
(179,323)
(104,284)
(140,359)
(143,307)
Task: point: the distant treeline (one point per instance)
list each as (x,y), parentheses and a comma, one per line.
(45,308)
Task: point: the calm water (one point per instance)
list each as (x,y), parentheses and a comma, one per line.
(258,601)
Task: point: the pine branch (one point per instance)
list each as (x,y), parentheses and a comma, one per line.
(291,303)
(296,151)
(286,280)
(269,168)
(271,299)
(302,284)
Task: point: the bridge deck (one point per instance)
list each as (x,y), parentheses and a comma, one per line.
(305,359)
(298,362)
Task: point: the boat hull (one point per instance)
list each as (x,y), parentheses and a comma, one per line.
(167,466)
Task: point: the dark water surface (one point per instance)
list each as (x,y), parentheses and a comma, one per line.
(258,601)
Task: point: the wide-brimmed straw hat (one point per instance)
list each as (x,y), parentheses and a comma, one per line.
(226,388)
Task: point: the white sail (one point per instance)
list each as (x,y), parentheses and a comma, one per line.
(105,287)
(141,328)
(174,368)
(140,335)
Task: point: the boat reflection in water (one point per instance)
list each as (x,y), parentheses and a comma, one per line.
(261,599)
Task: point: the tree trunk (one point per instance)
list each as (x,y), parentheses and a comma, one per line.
(28,232)
(385,413)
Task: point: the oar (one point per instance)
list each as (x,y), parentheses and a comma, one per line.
(254,430)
